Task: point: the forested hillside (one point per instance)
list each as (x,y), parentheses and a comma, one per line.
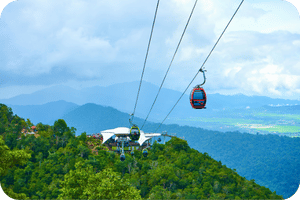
(271,160)
(53,163)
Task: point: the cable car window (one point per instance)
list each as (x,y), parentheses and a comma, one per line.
(134,131)
(198,95)
(197,103)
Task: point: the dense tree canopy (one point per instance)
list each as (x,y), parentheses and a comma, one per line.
(272,160)
(106,184)
(59,165)
(10,158)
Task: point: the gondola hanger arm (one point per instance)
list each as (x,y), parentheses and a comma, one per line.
(204,78)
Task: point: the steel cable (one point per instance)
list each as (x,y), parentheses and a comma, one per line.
(137,97)
(201,65)
(171,61)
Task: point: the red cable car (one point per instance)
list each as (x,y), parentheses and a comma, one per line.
(198,95)
(198,98)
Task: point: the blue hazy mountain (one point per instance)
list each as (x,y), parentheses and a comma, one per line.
(92,118)
(123,96)
(293,109)
(51,94)
(46,113)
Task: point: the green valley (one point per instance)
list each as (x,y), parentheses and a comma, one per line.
(247,120)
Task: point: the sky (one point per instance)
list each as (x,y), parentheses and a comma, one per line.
(81,44)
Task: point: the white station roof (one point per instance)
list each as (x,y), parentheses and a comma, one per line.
(117,131)
(146,136)
(126,131)
(152,135)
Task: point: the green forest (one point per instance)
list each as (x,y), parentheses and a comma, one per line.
(55,164)
(271,160)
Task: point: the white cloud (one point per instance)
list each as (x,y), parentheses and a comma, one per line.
(65,41)
(270,68)
(296,43)
(266,16)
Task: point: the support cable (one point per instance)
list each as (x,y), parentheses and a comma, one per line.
(200,70)
(137,97)
(171,61)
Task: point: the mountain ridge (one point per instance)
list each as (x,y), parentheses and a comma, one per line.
(122,97)
(46,113)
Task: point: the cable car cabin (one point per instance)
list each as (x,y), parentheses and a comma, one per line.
(198,98)
(134,133)
(145,153)
(122,157)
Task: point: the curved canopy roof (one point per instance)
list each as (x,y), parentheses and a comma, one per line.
(117,131)
(146,136)
(126,131)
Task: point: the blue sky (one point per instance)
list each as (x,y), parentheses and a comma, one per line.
(86,43)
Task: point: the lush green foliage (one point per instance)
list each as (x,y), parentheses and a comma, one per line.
(10,158)
(64,166)
(106,184)
(272,161)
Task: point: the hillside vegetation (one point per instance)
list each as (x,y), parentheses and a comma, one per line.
(271,160)
(63,166)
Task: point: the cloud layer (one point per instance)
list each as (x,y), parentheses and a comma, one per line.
(78,42)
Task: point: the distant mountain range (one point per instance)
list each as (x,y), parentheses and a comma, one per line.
(46,113)
(92,118)
(294,109)
(122,97)
(89,118)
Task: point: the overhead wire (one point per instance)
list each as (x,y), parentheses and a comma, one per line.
(201,68)
(137,97)
(171,61)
